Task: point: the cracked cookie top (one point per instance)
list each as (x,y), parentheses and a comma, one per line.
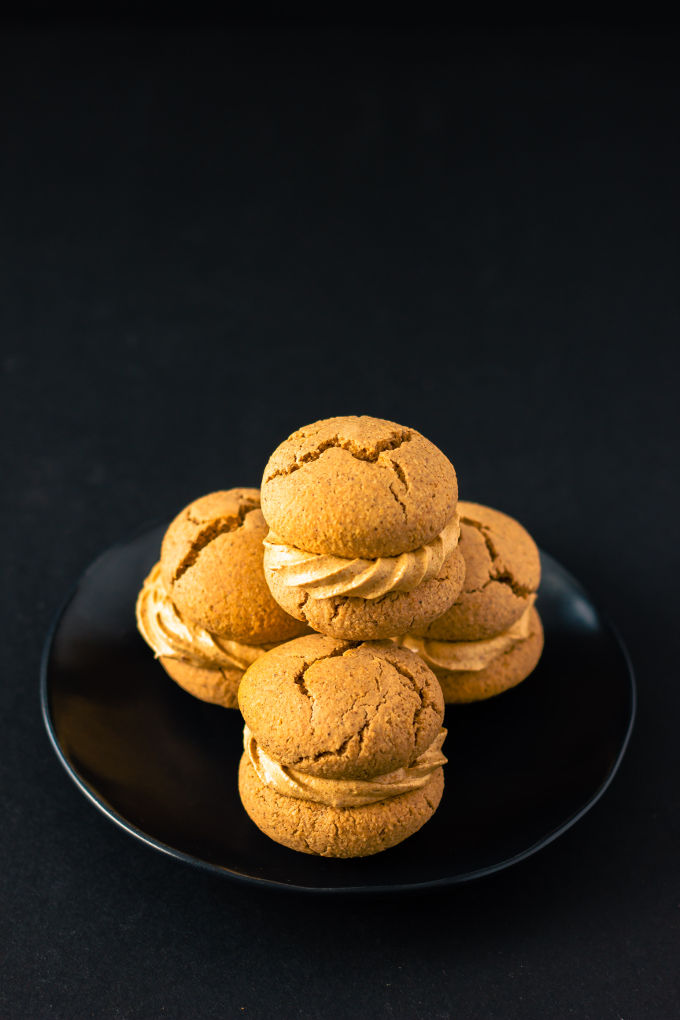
(341,709)
(211,569)
(358,487)
(502,574)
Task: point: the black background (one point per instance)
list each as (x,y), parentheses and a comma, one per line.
(214,234)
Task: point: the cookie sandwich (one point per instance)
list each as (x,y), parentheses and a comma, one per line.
(342,745)
(364,528)
(491,638)
(205,609)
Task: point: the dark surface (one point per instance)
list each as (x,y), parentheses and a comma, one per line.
(209,239)
(163,764)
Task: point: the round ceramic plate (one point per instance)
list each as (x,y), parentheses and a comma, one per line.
(523,767)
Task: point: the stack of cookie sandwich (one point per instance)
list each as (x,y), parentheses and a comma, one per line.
(343,741)
(357,535)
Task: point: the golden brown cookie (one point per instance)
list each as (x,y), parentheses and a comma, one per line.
(358,487)
(343,745)
(504,671)
(341,709)
(218,686)
(211,565)
(357,619)
(364,528)
(211,570)
(502,574)
(337,832)
(205,664)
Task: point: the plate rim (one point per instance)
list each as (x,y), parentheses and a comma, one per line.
(354,890)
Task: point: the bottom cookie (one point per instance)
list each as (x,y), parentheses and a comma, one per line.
(357,619)
(337,832)
(218,686)
(508,670)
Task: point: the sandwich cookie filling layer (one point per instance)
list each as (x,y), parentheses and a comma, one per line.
(170,636)
(344,793)
(322,576)
(464,656)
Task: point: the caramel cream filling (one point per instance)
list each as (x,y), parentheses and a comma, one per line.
(344,793)
(323,576)
(459,656)
(163,628)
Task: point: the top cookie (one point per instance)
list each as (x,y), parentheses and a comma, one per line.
(358,486)
(502,573)
(211,567)
(341,709)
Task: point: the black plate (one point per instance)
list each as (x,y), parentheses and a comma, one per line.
(522,769)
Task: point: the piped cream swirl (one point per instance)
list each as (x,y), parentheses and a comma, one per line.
(163,628)
(344,793)
(461,656)
(323,576)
